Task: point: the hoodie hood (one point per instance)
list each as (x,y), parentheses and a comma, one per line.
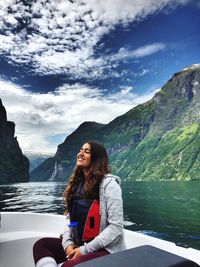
(111,176)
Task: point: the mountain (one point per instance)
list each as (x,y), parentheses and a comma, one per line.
(44,171)
(36,158)
(158,140)
(14,166)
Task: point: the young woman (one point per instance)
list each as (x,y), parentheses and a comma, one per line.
(93,200)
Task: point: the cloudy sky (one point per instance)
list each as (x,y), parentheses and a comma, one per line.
(63,62)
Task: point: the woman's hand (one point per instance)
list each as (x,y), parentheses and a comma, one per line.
(74,254)
(68,250)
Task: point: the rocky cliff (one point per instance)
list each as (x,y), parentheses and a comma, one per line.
(14,166)
(158,140)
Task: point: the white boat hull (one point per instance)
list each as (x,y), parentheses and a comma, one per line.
(19,231)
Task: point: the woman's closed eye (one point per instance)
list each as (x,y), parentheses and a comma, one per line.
(86,150)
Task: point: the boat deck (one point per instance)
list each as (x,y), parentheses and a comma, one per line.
(19,231)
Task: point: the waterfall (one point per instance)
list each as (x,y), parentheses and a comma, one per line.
(51,179)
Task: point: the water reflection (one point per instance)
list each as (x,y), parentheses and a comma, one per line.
(33,197)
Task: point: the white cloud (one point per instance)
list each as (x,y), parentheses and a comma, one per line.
(41,117)
(60,36)
(143,51)
(57,37)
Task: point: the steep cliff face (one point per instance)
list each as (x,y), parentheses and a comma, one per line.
(170,150)
(158,140)
(14,166)
(177,103)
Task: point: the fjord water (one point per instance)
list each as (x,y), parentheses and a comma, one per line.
(168,210)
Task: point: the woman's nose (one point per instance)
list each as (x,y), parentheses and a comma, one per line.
(80,153)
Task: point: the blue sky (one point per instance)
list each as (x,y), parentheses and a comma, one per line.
(64,62)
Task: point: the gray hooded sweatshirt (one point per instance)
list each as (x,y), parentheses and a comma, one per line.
(111,236)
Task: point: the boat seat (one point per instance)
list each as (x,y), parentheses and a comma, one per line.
(17,253)
(143,256)
(16,248)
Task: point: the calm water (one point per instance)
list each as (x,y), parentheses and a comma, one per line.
(169,210)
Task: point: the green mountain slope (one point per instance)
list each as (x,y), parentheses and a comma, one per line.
(158,140)
(172,156)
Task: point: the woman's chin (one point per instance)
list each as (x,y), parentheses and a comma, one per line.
(81,165)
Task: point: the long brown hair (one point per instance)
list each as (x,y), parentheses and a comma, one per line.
(97,170)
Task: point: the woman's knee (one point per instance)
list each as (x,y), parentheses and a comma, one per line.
(39,244)
(49,247)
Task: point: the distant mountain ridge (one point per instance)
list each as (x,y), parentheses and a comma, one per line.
(157,140)
(36,158)
(14,166)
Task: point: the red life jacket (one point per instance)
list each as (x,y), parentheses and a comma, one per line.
(92,223)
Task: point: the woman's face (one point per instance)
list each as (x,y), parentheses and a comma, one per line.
(84,156)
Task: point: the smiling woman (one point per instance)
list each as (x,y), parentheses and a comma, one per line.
(84,157)
(93,201)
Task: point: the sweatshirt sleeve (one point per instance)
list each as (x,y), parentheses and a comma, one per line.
(114,206)
(67,240)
